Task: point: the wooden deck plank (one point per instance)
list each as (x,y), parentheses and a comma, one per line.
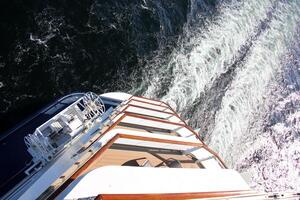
(119,157)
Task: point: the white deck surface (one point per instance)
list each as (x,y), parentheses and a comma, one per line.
(145,180)
(117,95)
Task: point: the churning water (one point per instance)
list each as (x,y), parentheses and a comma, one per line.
(236,78)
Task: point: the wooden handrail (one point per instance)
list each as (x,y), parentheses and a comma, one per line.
(136,115)
(175,196)
(164,106)
(161,111)
(144,138)
(162,102)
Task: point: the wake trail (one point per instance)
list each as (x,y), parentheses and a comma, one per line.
(206,54)
(203,111)
(244,99)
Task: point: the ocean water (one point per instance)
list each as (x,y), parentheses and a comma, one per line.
(230,68)
(235,76)
(52,48)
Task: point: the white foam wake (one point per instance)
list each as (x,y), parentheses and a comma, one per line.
(234,132)
(207,52)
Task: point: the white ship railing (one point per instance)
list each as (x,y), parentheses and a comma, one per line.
(51,137)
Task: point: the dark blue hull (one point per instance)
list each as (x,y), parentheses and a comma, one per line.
(14,156)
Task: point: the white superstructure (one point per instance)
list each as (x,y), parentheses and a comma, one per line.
(119,146)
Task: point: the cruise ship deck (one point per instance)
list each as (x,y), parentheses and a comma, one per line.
(119,146)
